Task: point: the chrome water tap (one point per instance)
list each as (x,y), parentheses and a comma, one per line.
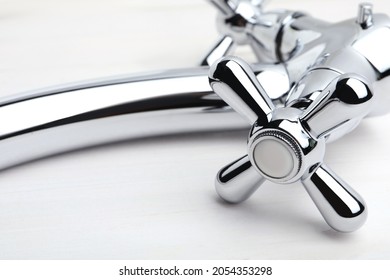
(331,70)
(312,82)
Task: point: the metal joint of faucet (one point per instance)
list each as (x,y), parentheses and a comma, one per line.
(287,144)
(331,91)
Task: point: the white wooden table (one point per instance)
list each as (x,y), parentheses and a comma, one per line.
(154,198)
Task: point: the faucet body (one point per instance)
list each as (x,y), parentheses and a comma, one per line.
(332,50)
(313,52)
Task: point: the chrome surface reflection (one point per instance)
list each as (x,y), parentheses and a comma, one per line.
(287,144)
(338,74)
(312,83)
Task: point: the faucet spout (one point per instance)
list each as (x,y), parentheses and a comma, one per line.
(44,123)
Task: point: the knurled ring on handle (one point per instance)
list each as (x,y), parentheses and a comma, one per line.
(276,155)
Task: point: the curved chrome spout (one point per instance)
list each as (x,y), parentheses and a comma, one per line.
(44,123)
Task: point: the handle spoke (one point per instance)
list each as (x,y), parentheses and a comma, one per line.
(226,7)
(221,48)
(349,93)
(342,208)
(238,181)
(234,81)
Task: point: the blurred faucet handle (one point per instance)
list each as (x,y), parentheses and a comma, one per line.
(347,97)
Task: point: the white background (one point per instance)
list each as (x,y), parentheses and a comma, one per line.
(154,198)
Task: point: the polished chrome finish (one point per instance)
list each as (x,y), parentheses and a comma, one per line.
(92,113)
(231,26)
(364,17)
(237,181)
(246,24)
(110,110)
(287,144)
(239,22)
(332,71)
(342,208)
(313,83)
(274,79)
(40,124)
(305,44)
(226,7)
(237,85)
(333,49)
(222,48)
(349,94)
(373,46)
